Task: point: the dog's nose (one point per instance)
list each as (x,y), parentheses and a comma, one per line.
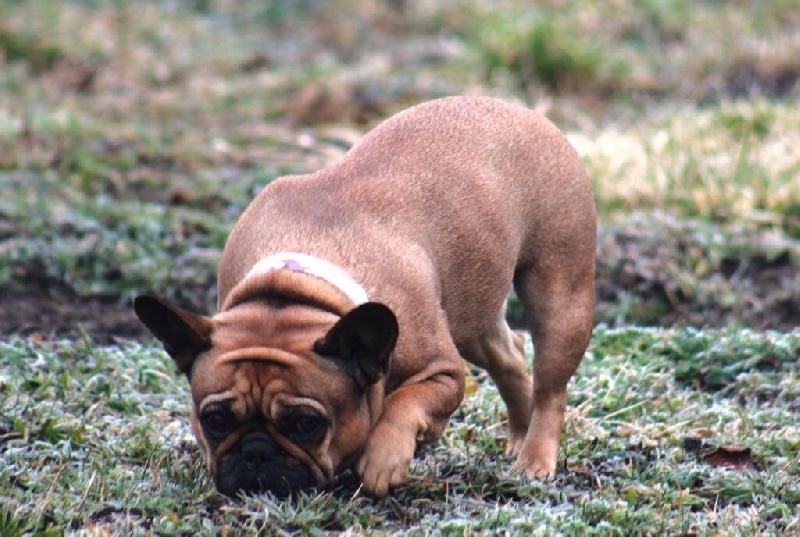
(258,449)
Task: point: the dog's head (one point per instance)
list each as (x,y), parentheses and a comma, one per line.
(283,397)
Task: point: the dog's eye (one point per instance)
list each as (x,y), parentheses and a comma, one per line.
(216,422)
(304,427)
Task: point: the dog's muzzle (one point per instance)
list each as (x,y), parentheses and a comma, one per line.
(256,464)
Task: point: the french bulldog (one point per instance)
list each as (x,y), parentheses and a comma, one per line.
(349,297)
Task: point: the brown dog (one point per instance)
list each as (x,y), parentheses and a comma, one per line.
(348,297)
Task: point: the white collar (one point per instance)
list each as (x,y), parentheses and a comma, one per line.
(308,264)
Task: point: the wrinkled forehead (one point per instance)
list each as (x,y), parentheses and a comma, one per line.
(250,380)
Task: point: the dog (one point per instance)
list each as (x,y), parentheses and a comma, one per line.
(348,299)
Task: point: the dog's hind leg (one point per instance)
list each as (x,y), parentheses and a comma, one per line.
(559,307)
(500,351)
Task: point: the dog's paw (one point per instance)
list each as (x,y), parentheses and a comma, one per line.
(536,463)
(514,445)
(535,470)
(386,459)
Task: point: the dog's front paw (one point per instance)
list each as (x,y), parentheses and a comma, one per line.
(386,459)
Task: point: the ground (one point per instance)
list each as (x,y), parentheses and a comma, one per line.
(51,309)
(134,132)
(628,268)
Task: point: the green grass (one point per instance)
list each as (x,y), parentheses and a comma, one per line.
(133,133)
(98,244)
(97,438)
(541,48)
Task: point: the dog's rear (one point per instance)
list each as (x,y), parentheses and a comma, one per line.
(508,200)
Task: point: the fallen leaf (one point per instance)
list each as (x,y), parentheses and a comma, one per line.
(470,385)
(737,457)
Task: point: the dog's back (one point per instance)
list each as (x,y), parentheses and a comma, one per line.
(448,193)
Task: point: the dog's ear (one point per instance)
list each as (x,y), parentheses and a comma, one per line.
(184,334)
(364,340)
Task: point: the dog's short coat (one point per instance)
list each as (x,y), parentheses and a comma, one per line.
(435,214)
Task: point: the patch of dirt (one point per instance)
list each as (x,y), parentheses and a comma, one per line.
(109,517)
(675,273)
(37,304)
(55,311)
(646,275)
(751,77)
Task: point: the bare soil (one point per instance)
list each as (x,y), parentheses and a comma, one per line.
(35,304)
(39,306)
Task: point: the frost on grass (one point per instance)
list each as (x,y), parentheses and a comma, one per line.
(98,437)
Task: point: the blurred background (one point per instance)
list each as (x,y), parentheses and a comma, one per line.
(133,133)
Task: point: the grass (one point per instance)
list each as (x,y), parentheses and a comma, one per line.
(133,133)
(172,126)
(717,274)
(541,48)
(735,162)
(96,439)
(625,50)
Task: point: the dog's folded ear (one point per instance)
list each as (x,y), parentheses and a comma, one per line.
(184,334)
(363,339)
